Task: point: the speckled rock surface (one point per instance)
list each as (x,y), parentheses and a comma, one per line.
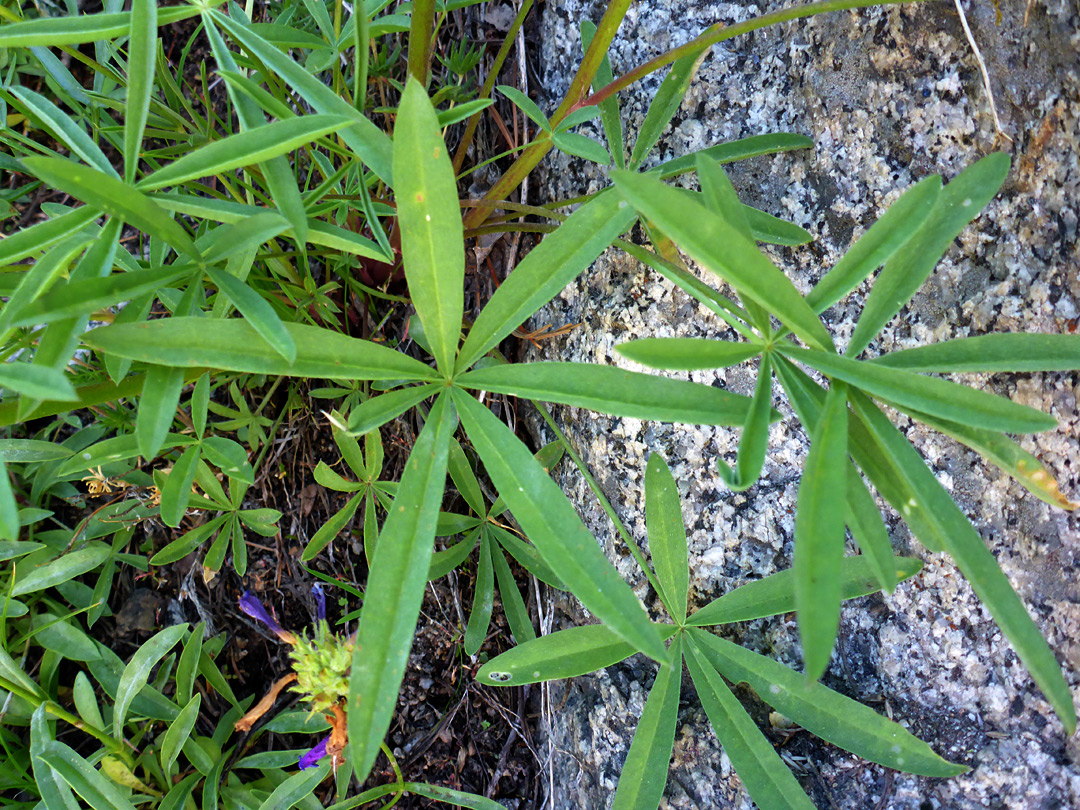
(889,96)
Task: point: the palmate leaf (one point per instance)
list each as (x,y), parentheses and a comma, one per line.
(765,776)
(234,345)
(932,395)
(645,771)
(549,520)
(719,246)
(432,246)
(396,580)
(823,712)
(613,390)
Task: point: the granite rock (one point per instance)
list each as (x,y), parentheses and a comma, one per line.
(889,96)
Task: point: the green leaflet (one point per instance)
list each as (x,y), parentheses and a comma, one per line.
(612,390)
(83,778)
(719,246)
(256,311)
(931,395)
(142,51)
(819,533)
(664,105)
(112,197)
(551,523)
(398,573)
(77,30)
(667,535)
(234,345)
(755,435)
(775,594)
(991,353)
(137,671)
(686,354)
(432,245)
(825,713)
(562,654)
(766,778)
(905,272)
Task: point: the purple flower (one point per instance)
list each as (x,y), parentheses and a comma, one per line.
(320,601)
(254,608)
(312,757)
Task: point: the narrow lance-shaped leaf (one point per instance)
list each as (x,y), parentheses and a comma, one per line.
(730,151)
(83,778)
(895,227)
(29,241)
(613,390)
(931,395)
(667,535)
(9,507)
(823,712)
(978,565)
(142,52)
(775,594)
(819,533)
(138,669)
(609,107)
(905,272)
(256,311)
(378,410)
(245,149)
(719,246)
(429,218)
(37,279)
(687,354)
(990,353)
(483,599)
(517,615)
(562,654)
(645,771)
(755,435)
(765,776)
(112,197)
(79,29)
(157,408)
(664,105)
(395,589)
(551,523)
(548,268)
(234,345)
(64,128)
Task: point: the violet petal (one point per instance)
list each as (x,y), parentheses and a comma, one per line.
(251,605)
(320,601)
(312,757)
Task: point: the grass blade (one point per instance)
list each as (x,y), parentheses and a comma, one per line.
(548,268)
(667,535)
(398,573)
(827,714)
(718,245)
(905,272)
(765,776)
(234,345)
(142,52)
(978,565)
(687,354)
(875,247)
(553,526)
(990,353)
(112,197)
(613,390)
(562,654)
(645,771)
(932,395)
(432,246)
(775,594)
(819,534)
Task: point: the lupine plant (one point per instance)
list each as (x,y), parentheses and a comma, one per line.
(219,266)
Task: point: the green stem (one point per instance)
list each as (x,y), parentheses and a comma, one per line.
(576,96)
(423,22)
(489,83)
